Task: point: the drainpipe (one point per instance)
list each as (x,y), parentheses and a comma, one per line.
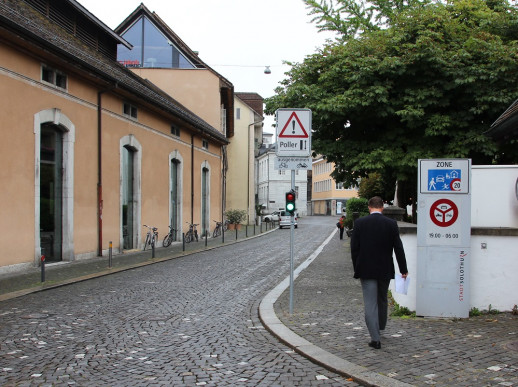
(192,178)
(99,176)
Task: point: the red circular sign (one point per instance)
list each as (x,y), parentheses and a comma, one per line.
(444,212)
(455,185)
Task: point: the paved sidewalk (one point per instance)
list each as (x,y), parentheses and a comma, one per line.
(327,324)
(60,273)
(328,315)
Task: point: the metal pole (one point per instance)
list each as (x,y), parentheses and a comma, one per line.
(206,233)
(110,255)
(42,266)
(292,228)
(183,241)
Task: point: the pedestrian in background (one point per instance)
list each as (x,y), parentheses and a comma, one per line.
(341,226)
(373,240)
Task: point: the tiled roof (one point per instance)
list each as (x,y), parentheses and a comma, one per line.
(32,26)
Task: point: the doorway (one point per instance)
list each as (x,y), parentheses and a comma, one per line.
(51,192)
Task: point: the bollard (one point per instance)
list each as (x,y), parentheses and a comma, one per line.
(223,235)
(42,268)
(254,228)
(206,234)
(110,255)
(183,241)
(236,232)
(246,230)
(153,248)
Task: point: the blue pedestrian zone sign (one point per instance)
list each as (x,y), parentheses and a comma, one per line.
(441,180)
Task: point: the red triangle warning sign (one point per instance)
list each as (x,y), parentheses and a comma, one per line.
(293,128)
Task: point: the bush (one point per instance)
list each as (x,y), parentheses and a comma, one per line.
(359,205)
(235,216)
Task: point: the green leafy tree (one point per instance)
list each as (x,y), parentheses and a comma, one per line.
(409,80)
(373,185)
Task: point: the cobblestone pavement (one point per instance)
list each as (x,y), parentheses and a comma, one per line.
(328,312)
(193,320)
(188,321)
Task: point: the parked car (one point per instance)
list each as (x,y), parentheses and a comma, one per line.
(273,217)
(285,219)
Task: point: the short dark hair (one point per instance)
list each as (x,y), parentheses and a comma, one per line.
(375,202)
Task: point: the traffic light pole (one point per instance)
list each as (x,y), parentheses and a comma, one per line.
(292,228)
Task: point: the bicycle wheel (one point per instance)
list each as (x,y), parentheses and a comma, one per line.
(148,241)
(188,237)
(217,232)
(168,240)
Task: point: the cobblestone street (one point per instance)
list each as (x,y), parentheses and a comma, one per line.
(188,321)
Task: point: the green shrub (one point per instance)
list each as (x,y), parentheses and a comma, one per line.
(359,205)
(235,216)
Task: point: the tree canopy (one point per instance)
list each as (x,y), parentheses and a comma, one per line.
(406,80)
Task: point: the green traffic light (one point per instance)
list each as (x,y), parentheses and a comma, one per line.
(290,207)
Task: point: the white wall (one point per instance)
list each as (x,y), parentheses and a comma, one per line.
(493,196)
(492,272)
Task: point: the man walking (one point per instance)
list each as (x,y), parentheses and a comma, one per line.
(374,239)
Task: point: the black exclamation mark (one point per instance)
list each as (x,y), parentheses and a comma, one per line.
(293,127)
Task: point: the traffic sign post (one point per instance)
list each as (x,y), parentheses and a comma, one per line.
(443,238)
(293,152)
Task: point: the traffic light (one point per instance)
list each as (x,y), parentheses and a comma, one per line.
(290,202)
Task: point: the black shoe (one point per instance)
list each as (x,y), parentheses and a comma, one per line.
(375,344)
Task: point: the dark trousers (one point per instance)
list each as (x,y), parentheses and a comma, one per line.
(375,301)
(342,232)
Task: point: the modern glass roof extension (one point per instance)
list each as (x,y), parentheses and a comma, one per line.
(151,48)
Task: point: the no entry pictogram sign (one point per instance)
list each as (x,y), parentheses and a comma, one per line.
(444,212)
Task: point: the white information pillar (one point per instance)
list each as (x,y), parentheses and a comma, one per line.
(443,238)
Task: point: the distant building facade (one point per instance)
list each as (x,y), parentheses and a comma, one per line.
(273,184)
(328,197)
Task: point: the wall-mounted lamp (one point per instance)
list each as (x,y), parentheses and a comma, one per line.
(267,70)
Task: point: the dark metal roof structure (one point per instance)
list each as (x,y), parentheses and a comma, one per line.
(506,126)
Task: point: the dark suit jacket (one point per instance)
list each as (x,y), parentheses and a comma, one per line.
(374,238)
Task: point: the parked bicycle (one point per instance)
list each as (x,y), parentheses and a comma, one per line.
(170,237)
(151,236)
(192,233)
(217,229)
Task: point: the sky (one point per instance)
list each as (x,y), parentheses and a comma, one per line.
(237,38)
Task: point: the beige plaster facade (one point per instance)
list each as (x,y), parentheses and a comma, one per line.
(196,89)
(89,114)
(241,174)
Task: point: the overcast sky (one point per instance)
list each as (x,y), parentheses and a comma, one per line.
(237,38)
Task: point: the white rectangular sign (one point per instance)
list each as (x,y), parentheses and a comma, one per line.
(281,163)
(444,176)
(293,132)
